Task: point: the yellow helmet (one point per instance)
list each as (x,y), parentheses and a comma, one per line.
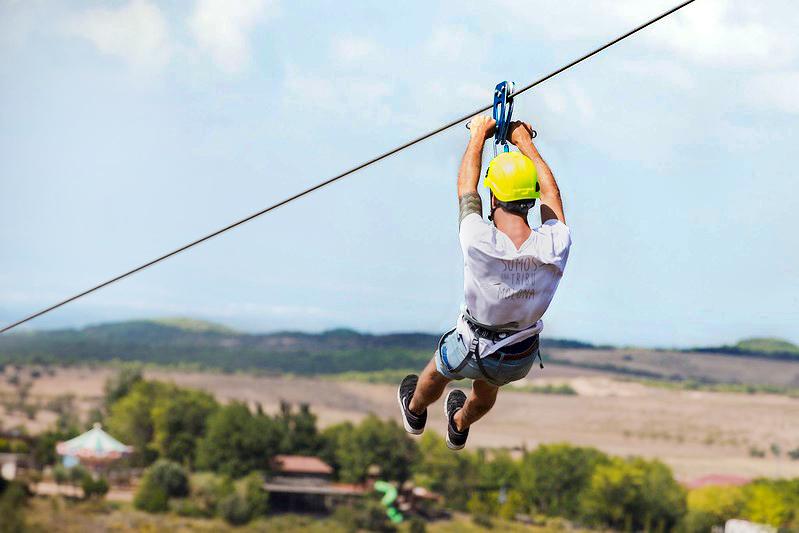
(512,176)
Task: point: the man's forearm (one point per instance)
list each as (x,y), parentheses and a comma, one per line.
(549,191)
(469,174)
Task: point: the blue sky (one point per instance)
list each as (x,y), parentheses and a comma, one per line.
(128,128)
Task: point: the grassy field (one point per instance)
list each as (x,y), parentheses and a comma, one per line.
(57,514)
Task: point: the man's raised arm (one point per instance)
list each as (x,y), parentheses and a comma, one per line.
(551,203)
(481,127)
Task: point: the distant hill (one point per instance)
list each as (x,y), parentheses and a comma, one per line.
(189,342)
(768,347)
(183,341)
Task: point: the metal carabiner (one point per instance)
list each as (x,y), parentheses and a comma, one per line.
(502,113)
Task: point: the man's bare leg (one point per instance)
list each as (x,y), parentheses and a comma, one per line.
(429,388)
(479,402)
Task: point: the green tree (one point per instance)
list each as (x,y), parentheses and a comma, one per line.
(374,442)
(131,421)
(773,502)
(301,434)
(634,494)
(43,449)
(179,420)
(331,437)
(122,383)
(237,442)
(713,506)
(554,476)
(497,472)
(453,475)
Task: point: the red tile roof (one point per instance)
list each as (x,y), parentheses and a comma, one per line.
(301,464)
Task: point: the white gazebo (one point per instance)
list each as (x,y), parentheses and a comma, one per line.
(95,448)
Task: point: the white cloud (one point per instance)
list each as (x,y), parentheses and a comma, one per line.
(359,97)
(350,50)
(137,32)
(720,32)
(664,70)
(777,91)
(455,44)
(222,28)
(567,97)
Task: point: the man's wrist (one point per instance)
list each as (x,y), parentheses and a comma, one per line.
(476,144)
(528,149)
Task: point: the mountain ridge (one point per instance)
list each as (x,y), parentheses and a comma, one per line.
(181,341)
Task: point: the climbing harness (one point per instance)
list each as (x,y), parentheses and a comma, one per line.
(500,338)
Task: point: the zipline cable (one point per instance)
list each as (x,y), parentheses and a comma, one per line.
(342,175)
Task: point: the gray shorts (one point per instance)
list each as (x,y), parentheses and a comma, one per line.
(452,350)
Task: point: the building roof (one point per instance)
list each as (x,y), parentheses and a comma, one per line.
(95,444)
(300,464)
(339,489)
(716,479)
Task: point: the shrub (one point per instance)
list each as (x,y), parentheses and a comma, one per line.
(235,509)
(416,525)
(12,500)
(481,508)
(254,494)
(60,474)
(207,490)
(77,474)
(756,452)
(151,498)
(367,515)
(512,506)
(171,477)
(189,508)
(94,487)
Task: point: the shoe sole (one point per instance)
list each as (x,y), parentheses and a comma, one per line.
(450,445)
(405,423)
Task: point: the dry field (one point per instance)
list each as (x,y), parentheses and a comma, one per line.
(695,432)
(665,364)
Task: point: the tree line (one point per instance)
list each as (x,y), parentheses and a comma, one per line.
(204,458)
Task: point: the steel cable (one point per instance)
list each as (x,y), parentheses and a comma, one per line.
(342,175)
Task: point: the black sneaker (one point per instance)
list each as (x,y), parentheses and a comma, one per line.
(454,402)
(414,424)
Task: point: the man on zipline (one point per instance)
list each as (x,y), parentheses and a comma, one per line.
(511,272)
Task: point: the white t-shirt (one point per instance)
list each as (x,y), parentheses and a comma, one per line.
(508,288)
